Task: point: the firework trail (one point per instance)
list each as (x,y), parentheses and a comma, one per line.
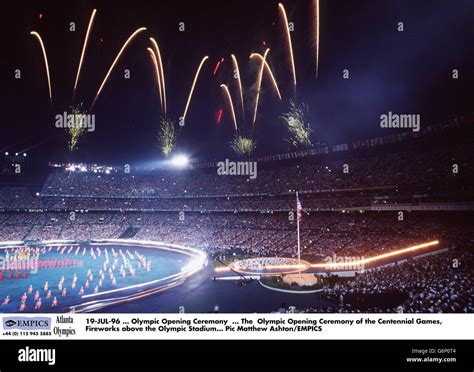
(316,31)
(270,73)
(91,22)
(290,46)
(218,65)
(160,65)
(35,34)
(157,71)
(239,80)
(259,85)
(229,98)
(194,84)
(132,36)
(219,116)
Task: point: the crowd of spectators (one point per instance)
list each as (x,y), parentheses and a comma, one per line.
(438,283)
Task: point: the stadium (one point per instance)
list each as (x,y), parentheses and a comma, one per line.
(140,214)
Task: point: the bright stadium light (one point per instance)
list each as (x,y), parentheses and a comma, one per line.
(180,161)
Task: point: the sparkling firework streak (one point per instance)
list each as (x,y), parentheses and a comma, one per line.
(316,31)
(162,73)
(132,36)
(158,75)
(270,73)
(34,33)
(290,45)
(259,85)
(229,98)
(91,22)
(352,263)
(194,84)
(239,81)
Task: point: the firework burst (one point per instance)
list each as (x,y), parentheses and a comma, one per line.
(243,146)
(77,128)
(295,121)
(167,136)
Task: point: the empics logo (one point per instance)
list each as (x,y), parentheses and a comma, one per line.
(37,355)
(27,324)
(9,323)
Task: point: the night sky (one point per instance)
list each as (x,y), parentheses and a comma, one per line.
(405,72)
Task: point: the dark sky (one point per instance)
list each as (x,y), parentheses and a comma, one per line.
(408,72)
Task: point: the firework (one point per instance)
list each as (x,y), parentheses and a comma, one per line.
(259,85)
(76,129)
(132,36)
(160,65)
(158,75)
(316,34)
(300,130)
(194,84)
(167,136)
(91,22)
(243,146)
(270,73)
(290,46)
(35,34)
(229,98)
(239,81)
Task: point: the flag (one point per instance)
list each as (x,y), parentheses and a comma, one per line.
(299,209)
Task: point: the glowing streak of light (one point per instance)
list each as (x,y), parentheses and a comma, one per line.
(89,27)
(239,80)
(229,98)
(379,257)
(290,45)
(354,263)
(157,71)
(259,85)
(192,87)
(270,73)
(132,36)
(35,34)
(316,6)
(162,73)
(219,116)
